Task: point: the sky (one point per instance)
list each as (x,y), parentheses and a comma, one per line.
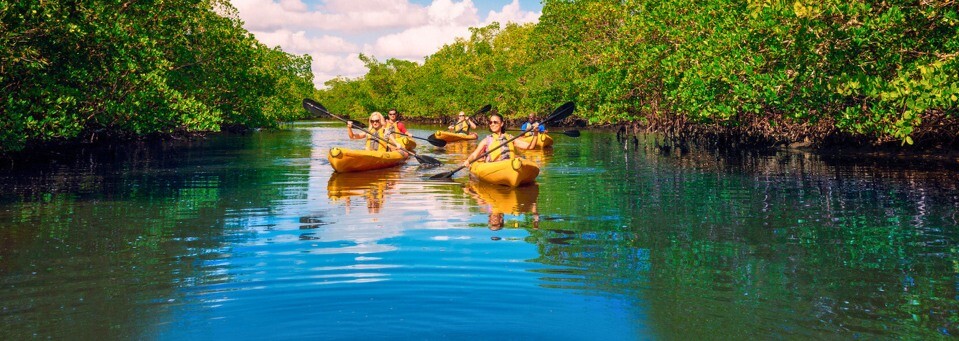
(335,32)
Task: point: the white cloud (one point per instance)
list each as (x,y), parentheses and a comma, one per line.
(298,43)
(334,32)
(512,13)
(449,13)
(416,43)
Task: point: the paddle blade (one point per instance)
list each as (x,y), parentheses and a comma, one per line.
(314,107)
(561,113)
(427,160)
(571,133)
(435,141)
(318,109)
(446,175)
(483,109)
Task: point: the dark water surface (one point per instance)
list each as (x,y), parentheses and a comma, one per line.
(254,237)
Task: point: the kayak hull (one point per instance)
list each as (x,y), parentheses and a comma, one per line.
(453,137)
(346,160)
(545,141)
(406,142)
(513,172)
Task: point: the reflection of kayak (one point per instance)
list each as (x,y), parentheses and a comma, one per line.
(406,142)
(513,172)
(503,199)
(352,160)
(453,137)
(462,147)
(354,184)
(545,141)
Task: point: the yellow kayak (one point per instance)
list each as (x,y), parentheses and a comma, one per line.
(545,141)
(503,199)
(453,137)
(513,172)
(352,160)
(406,142)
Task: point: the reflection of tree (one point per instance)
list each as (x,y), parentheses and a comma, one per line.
(779,235)
(91,241)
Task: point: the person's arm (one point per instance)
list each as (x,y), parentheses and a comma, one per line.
(470,121)
(532,144)
(476,152)
(395,146)
(353,136)
(401,127)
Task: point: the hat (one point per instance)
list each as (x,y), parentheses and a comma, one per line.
(462,113)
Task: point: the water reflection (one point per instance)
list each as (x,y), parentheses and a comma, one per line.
(252,236)
(371,186)
(498,201)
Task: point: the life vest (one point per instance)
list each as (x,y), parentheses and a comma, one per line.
(374,144)
(502,153)
(396,127)
(462,127)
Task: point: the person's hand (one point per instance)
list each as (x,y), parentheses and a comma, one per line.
(466,163)
(349,124)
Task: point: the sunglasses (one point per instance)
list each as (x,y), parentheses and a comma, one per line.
(374,121)
(495,122)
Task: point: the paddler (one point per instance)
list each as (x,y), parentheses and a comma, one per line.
(497,137)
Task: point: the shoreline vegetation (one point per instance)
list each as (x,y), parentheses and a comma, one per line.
(825,75)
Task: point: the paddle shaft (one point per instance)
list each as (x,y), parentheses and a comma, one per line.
(438,143)
(570,133)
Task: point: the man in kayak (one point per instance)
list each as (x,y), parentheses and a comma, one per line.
(378,129)
(498,137)
(529,124)
(394,122)
(463,125)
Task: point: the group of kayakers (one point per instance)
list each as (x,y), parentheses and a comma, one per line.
(392,129)
(382,129)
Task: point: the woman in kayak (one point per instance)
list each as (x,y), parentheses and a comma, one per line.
(378,129)
(498,137)
(463,125)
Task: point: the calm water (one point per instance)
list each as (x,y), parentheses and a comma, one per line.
(254,237)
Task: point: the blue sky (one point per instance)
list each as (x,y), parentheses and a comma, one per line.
(335,32)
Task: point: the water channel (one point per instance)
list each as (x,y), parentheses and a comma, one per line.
(253,236)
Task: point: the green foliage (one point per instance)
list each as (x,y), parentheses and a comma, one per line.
(83,69)
(869,69)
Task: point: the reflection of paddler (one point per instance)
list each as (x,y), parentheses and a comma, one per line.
(502,199)
(371,185)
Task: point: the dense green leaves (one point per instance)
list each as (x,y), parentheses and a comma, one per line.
(872,70)
(86,69)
